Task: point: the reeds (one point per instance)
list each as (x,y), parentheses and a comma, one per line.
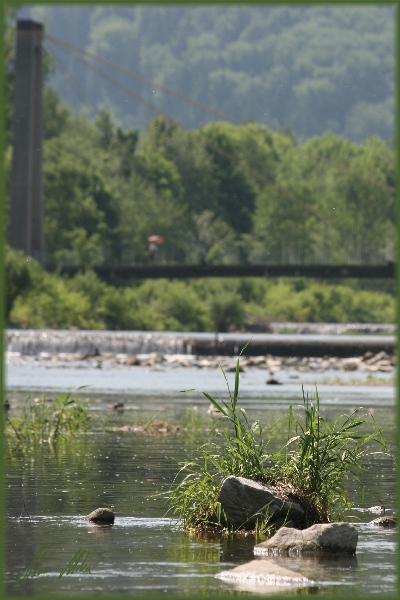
(325,456)
(40,421)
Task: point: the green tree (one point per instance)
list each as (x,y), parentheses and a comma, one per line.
(236,197)
(17,277)
(81,217)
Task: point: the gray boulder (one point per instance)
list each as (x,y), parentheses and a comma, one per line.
(246,503)
(329,537)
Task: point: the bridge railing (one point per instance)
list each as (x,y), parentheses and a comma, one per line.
(285,256)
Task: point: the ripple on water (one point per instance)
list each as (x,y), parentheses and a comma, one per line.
(79,521)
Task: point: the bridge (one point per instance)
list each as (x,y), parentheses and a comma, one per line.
(115,273)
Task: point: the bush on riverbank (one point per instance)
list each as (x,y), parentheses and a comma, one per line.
(311,469)
(40,300)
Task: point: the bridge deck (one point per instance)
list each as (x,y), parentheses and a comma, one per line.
(155,271)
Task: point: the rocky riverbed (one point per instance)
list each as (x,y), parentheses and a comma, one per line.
(371,363)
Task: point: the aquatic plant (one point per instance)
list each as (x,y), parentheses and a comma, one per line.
(311,468)
(41,421)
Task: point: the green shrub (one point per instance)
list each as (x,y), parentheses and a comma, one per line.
(171,306)
(115,308)
(18,278)
(323,302)
(223,303)
(50,304)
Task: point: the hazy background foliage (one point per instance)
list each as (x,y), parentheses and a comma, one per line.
(308,67)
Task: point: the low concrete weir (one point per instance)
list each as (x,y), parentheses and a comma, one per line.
(33,342)
(295,345)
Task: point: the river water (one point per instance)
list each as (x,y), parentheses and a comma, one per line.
(48,494)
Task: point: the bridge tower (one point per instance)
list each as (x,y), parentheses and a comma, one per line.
(26,216)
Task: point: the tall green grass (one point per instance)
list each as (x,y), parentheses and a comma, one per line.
(322,457)
(311,468)
(40,421)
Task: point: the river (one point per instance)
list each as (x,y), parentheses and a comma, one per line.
(48,494)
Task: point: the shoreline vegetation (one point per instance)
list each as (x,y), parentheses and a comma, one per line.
(37,299)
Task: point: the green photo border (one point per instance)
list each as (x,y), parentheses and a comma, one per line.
(16,3)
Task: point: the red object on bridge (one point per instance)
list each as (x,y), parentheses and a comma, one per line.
(156,239)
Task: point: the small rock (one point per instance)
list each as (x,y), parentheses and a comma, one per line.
(378,357)
(206,363)
(385,366)
(255,361)
(118,406)
(350,365)
(154,358)
(273,381)
(375,509)
(329,537)
(388,522)
(132,360)
(101,515)
(91,354)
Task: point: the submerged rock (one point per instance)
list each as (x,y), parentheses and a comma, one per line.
(148,428)
(329,537)
(101,515)
(387,521)
(266,573)
(246,503)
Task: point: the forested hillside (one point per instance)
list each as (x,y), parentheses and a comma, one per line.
(310,68)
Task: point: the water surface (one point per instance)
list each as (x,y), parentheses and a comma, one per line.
(48,494)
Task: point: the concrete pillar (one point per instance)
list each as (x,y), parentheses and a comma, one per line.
(26,219)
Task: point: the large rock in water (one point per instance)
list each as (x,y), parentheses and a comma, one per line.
(246,502)
(330,537)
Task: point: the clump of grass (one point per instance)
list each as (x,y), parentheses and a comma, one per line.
(194,500)
(40,421)
(325,456)
(311,468)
